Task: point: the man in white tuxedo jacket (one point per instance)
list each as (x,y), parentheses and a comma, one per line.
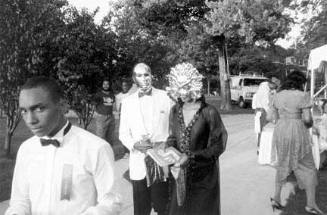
(144,122)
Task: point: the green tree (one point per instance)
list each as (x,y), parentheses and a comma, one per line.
(179,26)
(259,60)
(26,28)
(257,22)
(88,54)
(136,43)
(174,26)
(314,30)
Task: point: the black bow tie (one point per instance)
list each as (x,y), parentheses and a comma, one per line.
(56,143)
(46,142)
(147,93)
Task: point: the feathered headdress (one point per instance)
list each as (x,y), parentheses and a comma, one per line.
(184,77)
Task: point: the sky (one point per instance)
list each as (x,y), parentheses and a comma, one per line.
(295,29)
(92,5)
(290,38)
(104,6)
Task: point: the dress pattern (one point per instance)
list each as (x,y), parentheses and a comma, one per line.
(291,139)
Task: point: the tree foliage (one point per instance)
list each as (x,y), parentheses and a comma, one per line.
(87,54)
(136,43)
(202,31)
(26,27)
(314,30)
(255,22)
(171,26)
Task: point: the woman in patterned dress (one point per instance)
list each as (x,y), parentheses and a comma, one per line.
(291,140)
(197,131)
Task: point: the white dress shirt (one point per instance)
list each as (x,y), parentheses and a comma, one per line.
(38,176)
(146,108)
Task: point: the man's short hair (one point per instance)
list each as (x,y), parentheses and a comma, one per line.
(275,80)
(48,84)
(106,79)
(141,65)
(127,81)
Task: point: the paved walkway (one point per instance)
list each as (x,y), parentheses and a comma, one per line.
(246,186)
(3,207)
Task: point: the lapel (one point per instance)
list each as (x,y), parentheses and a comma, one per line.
(155,110)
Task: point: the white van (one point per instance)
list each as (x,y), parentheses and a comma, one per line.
(243,87)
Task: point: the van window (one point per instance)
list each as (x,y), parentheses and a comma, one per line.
(251,82)
(235,82)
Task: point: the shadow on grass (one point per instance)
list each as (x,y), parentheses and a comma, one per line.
(296,202)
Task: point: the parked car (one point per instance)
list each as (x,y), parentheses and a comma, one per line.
(243,87)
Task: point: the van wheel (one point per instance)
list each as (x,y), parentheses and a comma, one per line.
(241,103)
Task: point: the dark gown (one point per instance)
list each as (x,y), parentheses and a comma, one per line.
(204,139)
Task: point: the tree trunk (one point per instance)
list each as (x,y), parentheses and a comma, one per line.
(80,118)
(208,87)
(226,103)
(85,124)
(7,146)
(12,119)
(85,115)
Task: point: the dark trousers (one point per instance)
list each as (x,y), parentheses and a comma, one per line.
(145,198)
(105,127)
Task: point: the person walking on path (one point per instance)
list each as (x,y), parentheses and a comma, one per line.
(260,103)
(197,131)
(104,118)
(62,169)
(144,124)
(291,140)
(125,86)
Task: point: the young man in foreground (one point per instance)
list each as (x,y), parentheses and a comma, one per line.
(62,169)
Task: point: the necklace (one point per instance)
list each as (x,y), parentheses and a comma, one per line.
(186,131)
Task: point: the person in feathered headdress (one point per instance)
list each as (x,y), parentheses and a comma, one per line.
(185,83)
(197,131)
